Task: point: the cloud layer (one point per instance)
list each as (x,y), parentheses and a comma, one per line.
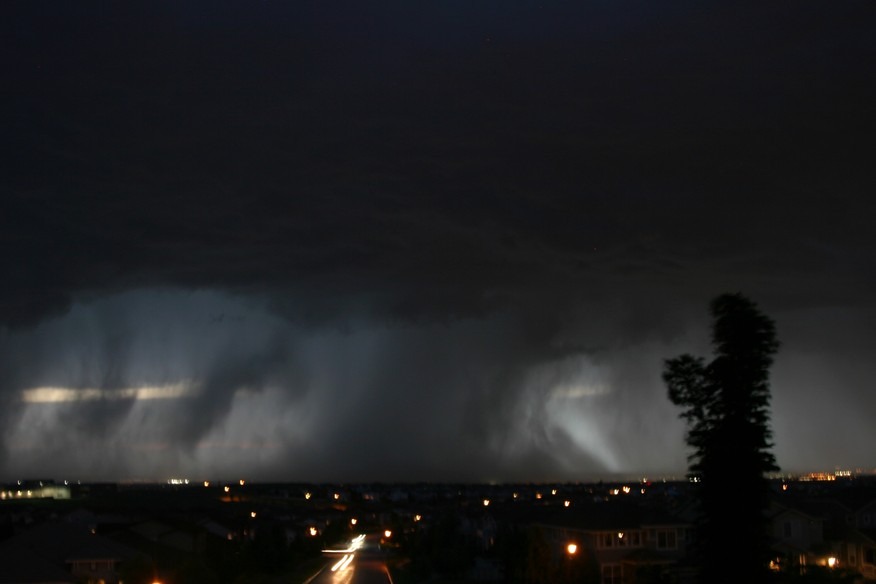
(424,242)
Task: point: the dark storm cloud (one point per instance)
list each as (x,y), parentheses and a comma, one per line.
(489,202)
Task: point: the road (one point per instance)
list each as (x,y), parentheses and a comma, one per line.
(365,565)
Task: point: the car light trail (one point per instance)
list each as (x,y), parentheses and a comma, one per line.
(355,544)
(343,563)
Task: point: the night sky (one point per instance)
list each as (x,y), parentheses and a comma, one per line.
(425,240)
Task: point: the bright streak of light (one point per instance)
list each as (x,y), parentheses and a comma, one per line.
(47,395)
(355,544)
(343,563)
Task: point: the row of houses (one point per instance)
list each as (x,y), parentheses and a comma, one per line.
(825,532)
(84,547)
(628,540)
(631,542)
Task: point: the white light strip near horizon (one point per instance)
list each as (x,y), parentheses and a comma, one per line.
(355,544)
(45,395)
(343,563)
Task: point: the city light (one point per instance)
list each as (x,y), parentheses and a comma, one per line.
(831,562)
(818,477)
(571,549)
(775,566)
(566,503)
(387,533)
(486,502)
(313,531)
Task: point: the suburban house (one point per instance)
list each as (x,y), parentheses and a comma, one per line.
(859,549)
(824,532)
(629,543)
(53,550)
(22,566)
(798,538)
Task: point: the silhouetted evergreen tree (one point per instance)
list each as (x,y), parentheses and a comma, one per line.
(726,407)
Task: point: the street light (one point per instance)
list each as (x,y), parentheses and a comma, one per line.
(572,549)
